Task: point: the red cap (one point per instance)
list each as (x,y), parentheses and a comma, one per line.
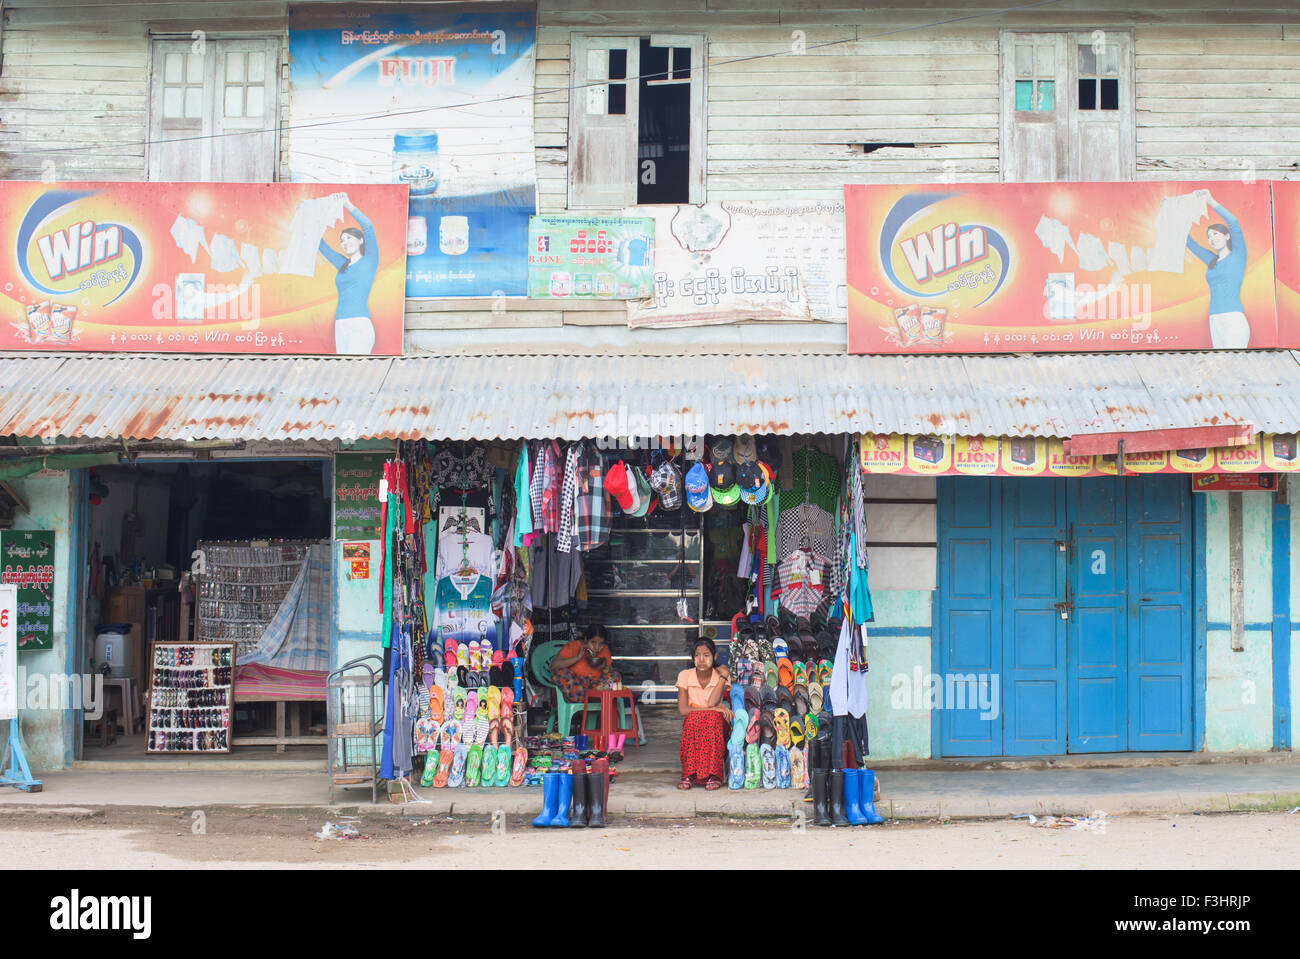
(616,483)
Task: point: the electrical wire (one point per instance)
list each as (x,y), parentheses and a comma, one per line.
(533,94)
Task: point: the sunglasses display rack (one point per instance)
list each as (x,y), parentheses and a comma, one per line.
(191,697)
(242,587)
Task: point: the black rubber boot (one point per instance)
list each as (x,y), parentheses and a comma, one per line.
(595,800)
(578,817)
(838,816)
(821,816)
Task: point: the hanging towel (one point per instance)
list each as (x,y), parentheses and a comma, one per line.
(1173,225)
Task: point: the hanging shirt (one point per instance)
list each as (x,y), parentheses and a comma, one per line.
(1173,224)
(848,685)
(816,480)
(523,503)
(806,526)
(463,610)
(568,490)
(471,547)
(591,502)
(553,575)
(552,477)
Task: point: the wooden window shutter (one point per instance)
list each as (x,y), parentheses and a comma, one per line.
(603,145)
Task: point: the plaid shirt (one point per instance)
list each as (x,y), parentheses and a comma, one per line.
(592,502)
(568,490)
(552,467)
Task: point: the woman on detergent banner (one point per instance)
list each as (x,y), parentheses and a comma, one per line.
(1225,263)
(353,331)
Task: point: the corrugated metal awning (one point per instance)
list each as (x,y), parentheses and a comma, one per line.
(570,397)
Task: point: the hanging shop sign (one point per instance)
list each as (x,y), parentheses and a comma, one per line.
(1042,456)
(202,267)
(590,257)
(439,100)
(759,260)
(357,507)
(27,562)
(1061,267)
(1235,483)
(1286,229)
(8,652)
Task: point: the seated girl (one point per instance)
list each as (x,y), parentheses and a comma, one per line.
(585,664)
(701,697)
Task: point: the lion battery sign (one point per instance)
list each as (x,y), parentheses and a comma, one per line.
(27,562)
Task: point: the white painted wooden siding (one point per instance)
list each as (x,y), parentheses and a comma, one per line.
(1217,96)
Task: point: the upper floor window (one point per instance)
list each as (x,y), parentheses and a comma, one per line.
(213,110)
(636,121)
(1067,106)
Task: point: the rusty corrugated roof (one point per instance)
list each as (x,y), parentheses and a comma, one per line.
(505,397)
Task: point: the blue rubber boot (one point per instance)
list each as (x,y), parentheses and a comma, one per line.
(563,799)
(550,799)
(852,786)
(866,797)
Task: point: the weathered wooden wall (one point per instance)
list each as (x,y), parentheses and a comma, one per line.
(1217,97)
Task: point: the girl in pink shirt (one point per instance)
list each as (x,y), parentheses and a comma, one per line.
(701,691)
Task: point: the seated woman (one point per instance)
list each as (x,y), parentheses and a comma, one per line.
(585,664)
(701,695)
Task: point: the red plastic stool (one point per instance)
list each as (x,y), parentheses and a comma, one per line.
(605,700)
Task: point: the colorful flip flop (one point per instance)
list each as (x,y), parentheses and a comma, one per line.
(810,727)
(815,697)
(437,704)
(503,765)
(462,655)
(459,701)
(449,653)
(737,697)
(753,766)
(796,732)
(426,735)
(797,780)
(771,675)
(430,769)
(800,675)
(739,724)
(782,719)
(768,755)
(473,654)
(736,759)
(444,766)
(457,775)
(518,766)
(783,774)
(751,729)
(824,669)
(474,765)
(471,705)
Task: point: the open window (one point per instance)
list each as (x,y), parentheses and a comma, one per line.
(1067,106)
(213,110)
(636,121)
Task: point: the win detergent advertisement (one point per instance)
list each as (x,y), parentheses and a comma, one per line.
(1060,267)
(202,267)
(1286,223)
(440,100)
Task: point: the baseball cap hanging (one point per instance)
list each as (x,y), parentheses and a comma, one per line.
(752,482)
(721,450)
(746,450)
(728,496)
(722,476)
(642,491)
(667,482)
(617,484)
(697,488)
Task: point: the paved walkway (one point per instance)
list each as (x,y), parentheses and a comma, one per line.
(906,793)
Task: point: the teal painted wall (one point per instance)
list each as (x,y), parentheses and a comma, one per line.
(899,725)
(356,608)
(49,734)
(1239,685)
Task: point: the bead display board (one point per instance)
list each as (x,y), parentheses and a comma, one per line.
(191,695)
(241,588)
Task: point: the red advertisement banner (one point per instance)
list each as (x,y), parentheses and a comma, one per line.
(203,267)
(1060,267)
(1286,232)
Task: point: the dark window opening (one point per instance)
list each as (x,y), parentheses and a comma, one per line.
(1088,94)
(681,63)
(1110,94)
(664,158)
(618,64)
(617,99)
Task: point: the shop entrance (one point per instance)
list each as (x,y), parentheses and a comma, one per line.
(143,524)
(1064,620)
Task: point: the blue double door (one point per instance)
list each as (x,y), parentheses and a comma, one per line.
(1064,620)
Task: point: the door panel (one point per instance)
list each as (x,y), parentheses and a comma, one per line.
(970,588)
(1098,658)
(1160,615)
(1033,669)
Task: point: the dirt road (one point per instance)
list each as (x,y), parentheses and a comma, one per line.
(233,838)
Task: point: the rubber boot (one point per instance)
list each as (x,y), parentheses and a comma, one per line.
(550,799)
(837,798)
(578,817)
(852,788)
(596,785)
(601,768)
(866,797)
(821,816)
(565,796)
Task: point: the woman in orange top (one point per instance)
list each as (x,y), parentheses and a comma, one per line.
(700,694)
(585,664)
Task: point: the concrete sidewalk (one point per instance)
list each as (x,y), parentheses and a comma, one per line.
(906,794)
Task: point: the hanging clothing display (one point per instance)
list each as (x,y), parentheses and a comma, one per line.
(554,575)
